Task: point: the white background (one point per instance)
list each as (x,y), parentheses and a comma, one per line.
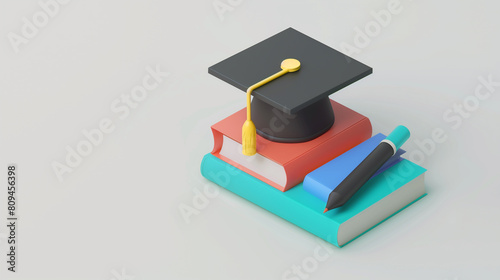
(116,215)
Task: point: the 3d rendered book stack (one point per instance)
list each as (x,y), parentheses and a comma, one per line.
(301,160)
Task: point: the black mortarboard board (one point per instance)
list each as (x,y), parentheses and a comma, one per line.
(294,107)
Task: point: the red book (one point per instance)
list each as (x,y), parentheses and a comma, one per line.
(284,165)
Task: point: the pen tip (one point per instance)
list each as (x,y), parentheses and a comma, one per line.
(326,209)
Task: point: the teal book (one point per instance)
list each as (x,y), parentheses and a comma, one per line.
(381,197)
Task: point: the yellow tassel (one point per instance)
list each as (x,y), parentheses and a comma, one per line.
(249,132)
(249,138)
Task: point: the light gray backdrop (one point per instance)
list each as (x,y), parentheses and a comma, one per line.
(69,67)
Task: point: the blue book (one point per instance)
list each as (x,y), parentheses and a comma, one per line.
(322,181)
(380,198)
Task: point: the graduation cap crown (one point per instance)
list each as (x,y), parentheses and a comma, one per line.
(294,107)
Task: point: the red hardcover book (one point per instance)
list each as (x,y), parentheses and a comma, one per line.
(284,165)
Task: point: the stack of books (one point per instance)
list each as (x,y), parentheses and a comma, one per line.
(274,178)
(297,167)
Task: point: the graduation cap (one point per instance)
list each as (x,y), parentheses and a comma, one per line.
(290,104)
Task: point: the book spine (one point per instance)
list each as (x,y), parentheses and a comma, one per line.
(297,169)
(218,139)
(318,189)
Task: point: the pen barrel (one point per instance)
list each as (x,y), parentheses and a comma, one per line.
(361,174)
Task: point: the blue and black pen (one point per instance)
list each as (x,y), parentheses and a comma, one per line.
(367,168)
